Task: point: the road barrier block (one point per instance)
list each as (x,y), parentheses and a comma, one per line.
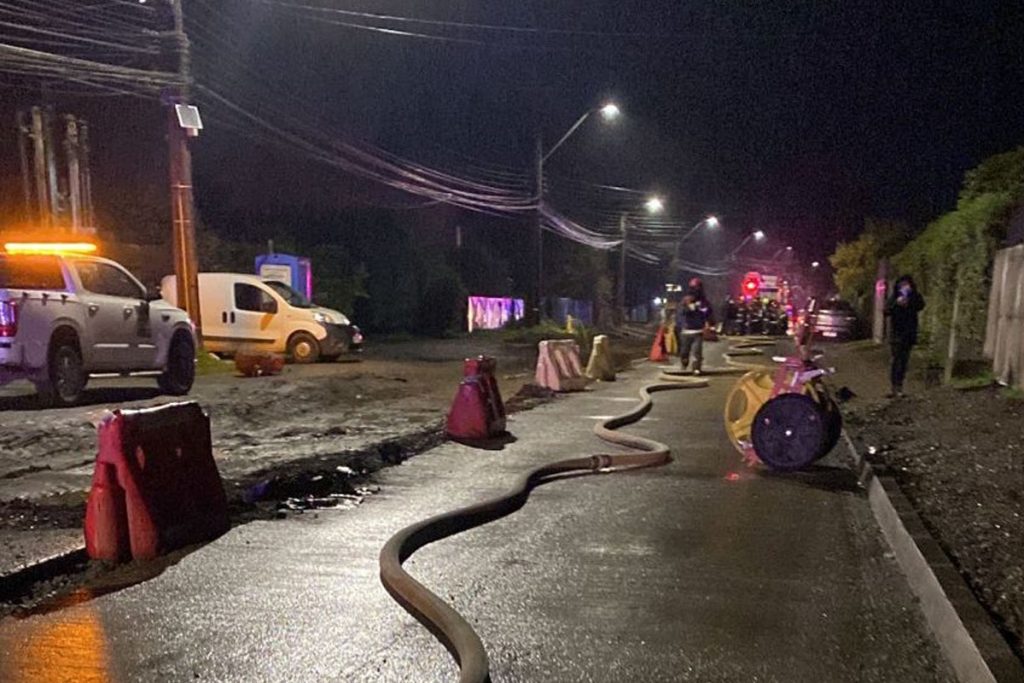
(558,366)
(162,462)
(477,413)
(600,366)
(258,364)
(106,517)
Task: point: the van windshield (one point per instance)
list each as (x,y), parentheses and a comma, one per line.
(288,294)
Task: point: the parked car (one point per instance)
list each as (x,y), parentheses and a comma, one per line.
(241,312)
(835,319)
(66,316)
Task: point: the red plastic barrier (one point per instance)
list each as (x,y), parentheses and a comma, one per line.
(477,412)
(156,485)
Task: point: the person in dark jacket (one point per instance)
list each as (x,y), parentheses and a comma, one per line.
(902,308)
(692,317)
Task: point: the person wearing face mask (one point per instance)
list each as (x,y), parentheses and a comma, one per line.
(904,304)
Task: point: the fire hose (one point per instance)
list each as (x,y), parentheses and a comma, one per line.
(447,625)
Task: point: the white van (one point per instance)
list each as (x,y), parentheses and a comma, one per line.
(241,311)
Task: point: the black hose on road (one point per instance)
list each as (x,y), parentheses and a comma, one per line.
(447,625)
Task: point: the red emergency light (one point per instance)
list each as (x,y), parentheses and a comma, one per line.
(751,284)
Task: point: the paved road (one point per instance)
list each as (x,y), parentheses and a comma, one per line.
(678,574)
(310,410)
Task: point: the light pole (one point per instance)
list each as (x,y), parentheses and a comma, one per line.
(757,235)
(654,205)
(609,112)
(710,221)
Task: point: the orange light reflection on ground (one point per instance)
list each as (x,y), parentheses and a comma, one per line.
(63,646)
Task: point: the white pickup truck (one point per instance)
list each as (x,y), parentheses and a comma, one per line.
(64,317)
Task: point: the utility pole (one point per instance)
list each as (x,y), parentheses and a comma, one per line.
(539,290)
(186,262)
(620,298)
(24,134)
(39,168)
(52,188)
(74,175)
(88,210)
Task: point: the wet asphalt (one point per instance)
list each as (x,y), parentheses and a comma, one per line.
(699,571)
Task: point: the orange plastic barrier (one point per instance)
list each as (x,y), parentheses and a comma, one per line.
(156,486)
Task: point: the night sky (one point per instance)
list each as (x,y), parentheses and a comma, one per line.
(801,118)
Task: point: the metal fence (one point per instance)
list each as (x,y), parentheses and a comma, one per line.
(1004,332)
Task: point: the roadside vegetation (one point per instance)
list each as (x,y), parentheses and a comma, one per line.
(950,258)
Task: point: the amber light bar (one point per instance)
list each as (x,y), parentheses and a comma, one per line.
(49,247)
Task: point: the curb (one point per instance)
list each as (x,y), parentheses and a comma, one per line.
(20,581)
(965,633)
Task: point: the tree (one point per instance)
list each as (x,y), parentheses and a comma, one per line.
(953,255)
(856,263)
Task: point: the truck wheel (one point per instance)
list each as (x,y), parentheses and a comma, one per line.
(65,376)
(180,373)
(304,348)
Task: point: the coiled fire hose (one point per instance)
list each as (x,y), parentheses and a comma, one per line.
(447,625)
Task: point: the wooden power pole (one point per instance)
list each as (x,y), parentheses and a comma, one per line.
(186,262)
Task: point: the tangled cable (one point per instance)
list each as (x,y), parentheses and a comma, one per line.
(447,625)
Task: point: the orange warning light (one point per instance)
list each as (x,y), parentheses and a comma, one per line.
(50,248)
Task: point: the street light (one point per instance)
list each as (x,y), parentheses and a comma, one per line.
(710,221)
(609,112)
(653,205)
(815,264)
(757,235)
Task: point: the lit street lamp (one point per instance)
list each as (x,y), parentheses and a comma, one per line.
(711,222)
(609,113)
(757,236)
(653,205)
(815,264)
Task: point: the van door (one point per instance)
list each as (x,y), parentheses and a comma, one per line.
(255,319)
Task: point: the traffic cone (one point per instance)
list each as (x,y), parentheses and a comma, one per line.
(658,347)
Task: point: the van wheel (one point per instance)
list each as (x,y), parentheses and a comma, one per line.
(65,376)
(180,373)
(304,348)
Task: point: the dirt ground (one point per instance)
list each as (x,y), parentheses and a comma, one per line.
(312,432)
(959,457)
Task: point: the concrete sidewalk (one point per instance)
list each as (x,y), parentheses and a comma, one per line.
(699,571)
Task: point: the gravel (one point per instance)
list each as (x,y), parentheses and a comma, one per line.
(959,457)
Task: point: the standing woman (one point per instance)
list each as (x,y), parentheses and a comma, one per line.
(904,304)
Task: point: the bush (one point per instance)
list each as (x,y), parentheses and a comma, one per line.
(954,254)
(441,303)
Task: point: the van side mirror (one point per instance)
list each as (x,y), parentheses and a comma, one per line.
(268,306)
